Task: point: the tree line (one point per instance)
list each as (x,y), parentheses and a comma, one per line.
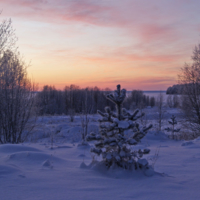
(176,89)
(51,101)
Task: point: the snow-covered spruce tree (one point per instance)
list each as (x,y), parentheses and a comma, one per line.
(173,122)
(112,143)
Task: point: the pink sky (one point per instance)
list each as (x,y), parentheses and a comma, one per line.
(140,44)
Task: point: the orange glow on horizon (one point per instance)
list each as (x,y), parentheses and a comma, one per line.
(105,43)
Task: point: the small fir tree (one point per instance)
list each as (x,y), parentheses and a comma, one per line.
(112,143)
(173,122)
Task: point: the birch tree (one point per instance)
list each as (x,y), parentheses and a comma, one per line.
(16,90)
(189,77)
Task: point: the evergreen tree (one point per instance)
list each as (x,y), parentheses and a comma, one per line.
(112,143)
(173,122)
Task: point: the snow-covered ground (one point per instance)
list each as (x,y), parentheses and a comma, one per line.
(55,167)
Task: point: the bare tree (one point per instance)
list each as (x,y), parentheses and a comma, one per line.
(72,114)
(87,108)
(16,99)
(51,101)
(7,35)
(173,101)
(170,101)
(161,110)
(152,101)
(189,77)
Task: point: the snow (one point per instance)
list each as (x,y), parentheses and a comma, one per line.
(143,162)
(187,143)
(69,171)
(123,124)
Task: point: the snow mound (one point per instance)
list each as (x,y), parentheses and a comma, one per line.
(32,158)
(83,145)
(47,163)
(152,135)
(72,134)
(198,139)
(187,143)
(72,130)
(81,156)
(5,170)
(83,166)
(11,148)
(64,147)
(118,172)
(149,171)
(143,162)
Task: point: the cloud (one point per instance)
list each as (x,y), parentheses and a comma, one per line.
(54,11)
(143,83)
(153,21)
(153,32)
(85,11)
(125,54)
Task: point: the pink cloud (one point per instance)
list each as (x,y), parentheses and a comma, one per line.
(85,11)
(70,10)
(134,57)
(155,32)
(139,18)
(125,54)
(153,58)
(143,83)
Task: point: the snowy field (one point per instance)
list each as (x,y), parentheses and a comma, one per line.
(55,167)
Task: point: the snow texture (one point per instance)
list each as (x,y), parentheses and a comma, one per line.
(33,171)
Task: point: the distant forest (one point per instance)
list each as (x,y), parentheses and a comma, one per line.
(175,89)
(74,99)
